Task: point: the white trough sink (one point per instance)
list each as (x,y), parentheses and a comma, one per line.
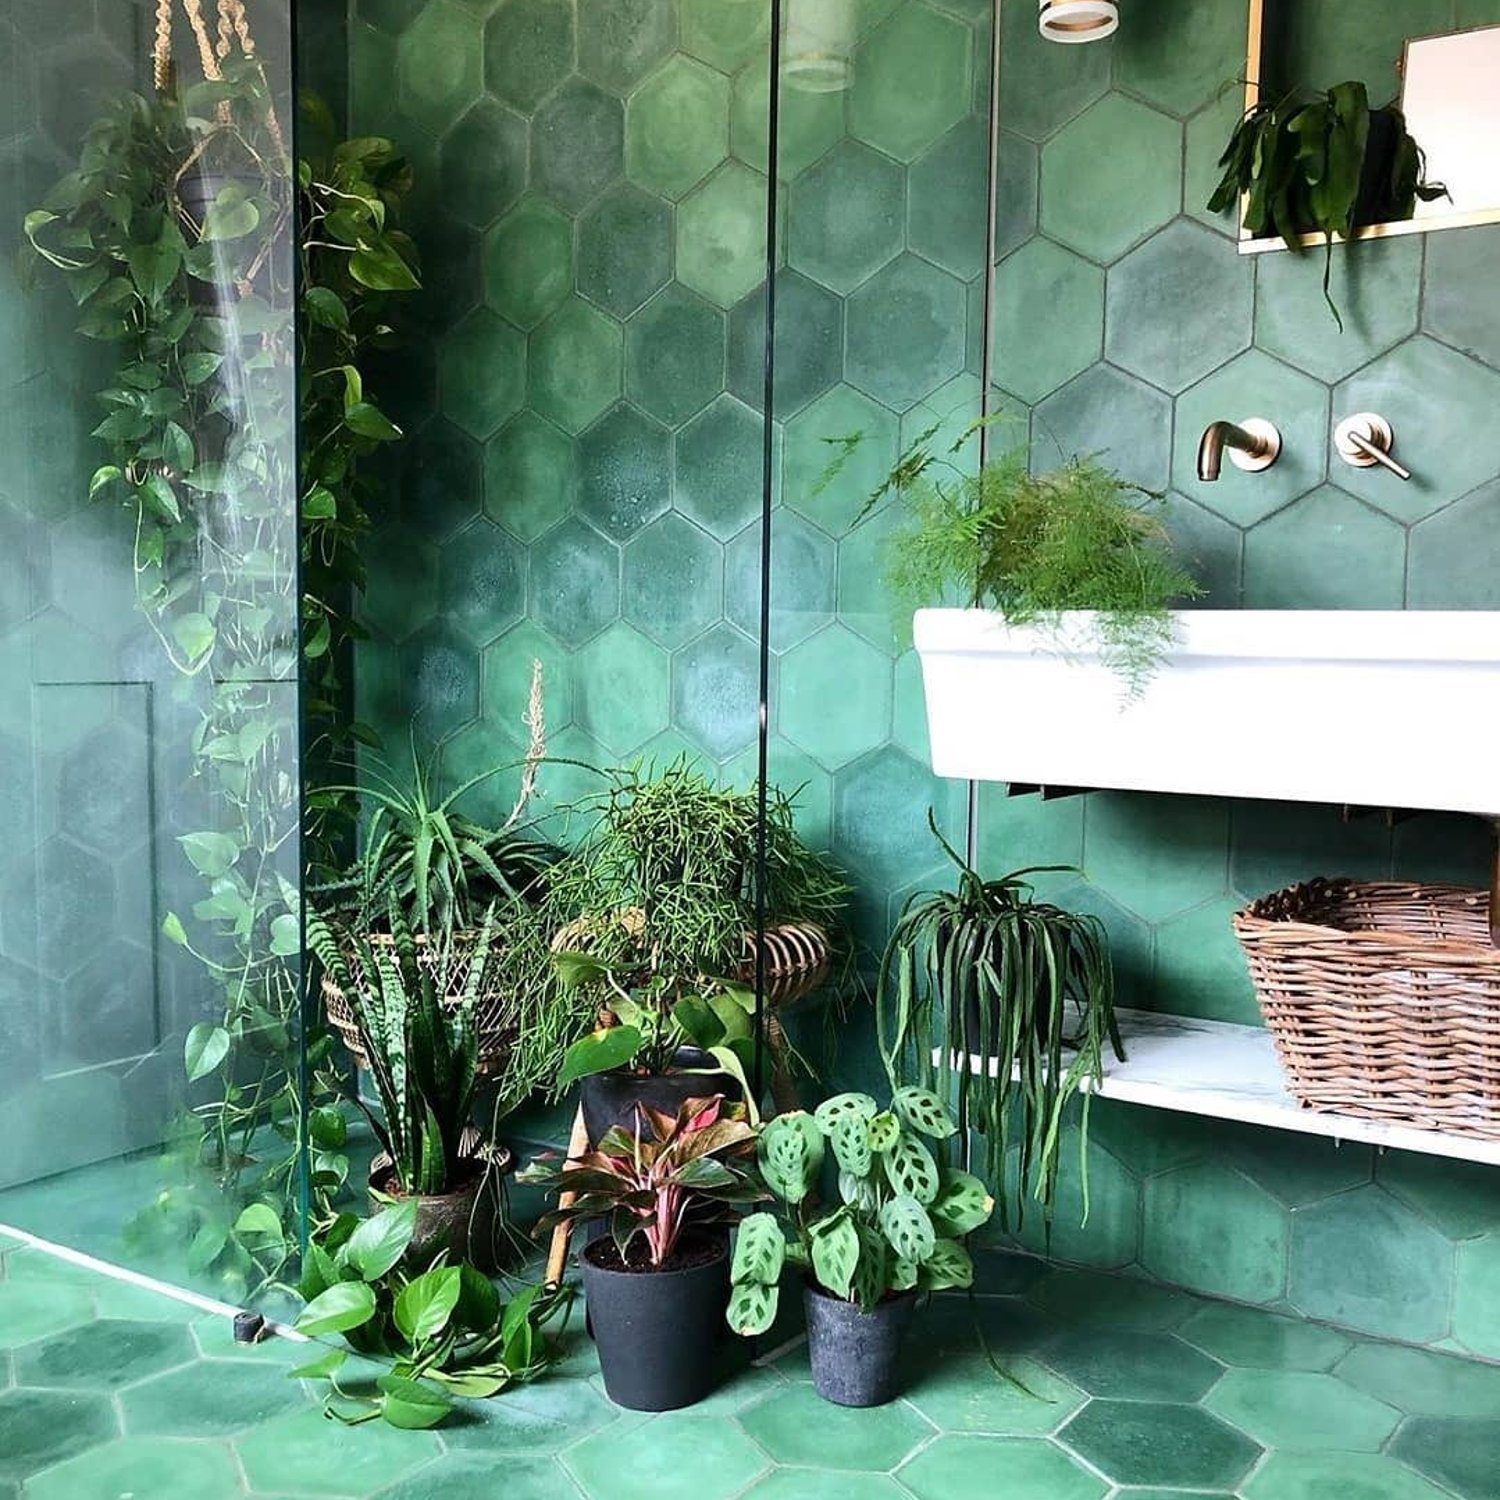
(1379,708)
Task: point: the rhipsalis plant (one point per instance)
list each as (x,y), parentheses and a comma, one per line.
(443,1331)
(1022,986)
(901,1216)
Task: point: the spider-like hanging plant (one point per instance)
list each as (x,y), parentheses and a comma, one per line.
(988,971)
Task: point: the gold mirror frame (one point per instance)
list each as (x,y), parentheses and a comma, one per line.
(1249,244)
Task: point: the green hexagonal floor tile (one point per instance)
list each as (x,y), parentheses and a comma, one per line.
(796,1426)
(674,581)
(575,364)
(574,582)
(621,41)
(1048,318)
(967,1468)
(911,82)
(483,367)
(721,235)
(1152,1442)
(906,332)
(103,1354)
(624,472)
(577,144)
(1421,1382)
(41,1428)
(528,50)
(214,1400)
(624,249)
(715,691)
(482,578)
(1111,177)
(822,1484)
(39,1309)
(292,1455)
(479,1476)
(672,1457)
(674,355)
(1254,1339)
(620,689)
(677,128)
(720,464)
(552,1414)
(528,262)
(844,217)
(142,1466)
(1131,1362)
(484,163)
(1299,1411)
(1313,1476)
(962,1393)
(835,666)
(530,478)
(1282,570)
(438,67)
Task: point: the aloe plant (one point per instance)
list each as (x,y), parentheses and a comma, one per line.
(901,1216)
(416,1022)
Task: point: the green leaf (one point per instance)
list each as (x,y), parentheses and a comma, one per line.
(924,1112)
(412,1404)
(759,1250)
(850,1139)
(177,448)
(231,216)
(173,930)
(345,1305)
(425,1303)
(963,1203)
(835,1253)
(478,1307)
(325,1367)
(259,1219)
(379,1242)
(286,936)
(195,635)
(382,271)
(884,1132)
(319,505)
(196,368)
(326,308)
(327,1128)
(157,494)
(210,854)
(752,1307)
(948,1266)
(206,1047)
(831,1111)
(369,421)
(911,1170)
(905,1223)
(103,477)
(600,1052)
(790,1153)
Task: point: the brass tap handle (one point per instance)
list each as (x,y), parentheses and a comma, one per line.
(1365,440)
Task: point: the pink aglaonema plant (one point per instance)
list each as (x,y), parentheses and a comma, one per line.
(656,1182)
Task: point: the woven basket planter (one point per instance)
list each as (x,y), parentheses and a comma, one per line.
(1383,999)
(496,1031)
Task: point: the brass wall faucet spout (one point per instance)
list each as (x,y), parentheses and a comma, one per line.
(1253,444)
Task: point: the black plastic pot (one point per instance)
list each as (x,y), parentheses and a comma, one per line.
(657,1331)
(856,1355)
(1372,204)
(610,1098)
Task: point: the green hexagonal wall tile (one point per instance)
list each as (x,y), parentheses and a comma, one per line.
(1061,81)
(483,371)
(577,144)
(1476,1294)
(810,122)
(1111,177)
(1048,318)
(400,592)
(818,434)
(880,805)
(1286,556)
(1180,61)
(964,1468)
(621,41)
(677,128)
(1434,395)
(905,332)
(1296,1411)
(1253,1339)
(1204,140)
(674,581)
(389,15)
(844,217)
(1104,411)
(945,212)
(482,581)
(574,365)
(528,262)
(726,34)
(1178,306)
(1461,1198)
(528,50)
(1309,1476)
(715,691)
(911,81)
(1376,285)
(674,355)
(1210,548)
(720,458)
(1349,1250)
(505,680)
(1456,263)
(676,1457)
(1200,968)
(438,67)
(574,582)
(1210,1229)
(442,678)
(624,249)
(624,472)
(1371,51)
(1453,557)
(484,163)
(1105,1232)
(620,689)
(721,235)
(530,478)
(796,1426)
(1159,855)
(1155,1443)
(802,580)
(809,344)
(294,1451)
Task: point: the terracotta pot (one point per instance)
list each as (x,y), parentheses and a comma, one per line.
(468,1222)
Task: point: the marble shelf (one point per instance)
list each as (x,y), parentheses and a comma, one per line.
(1230,1072)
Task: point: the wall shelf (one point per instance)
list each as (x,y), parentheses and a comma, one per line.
(1230,1072)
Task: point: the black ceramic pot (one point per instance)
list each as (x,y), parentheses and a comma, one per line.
(610,1098)
(657,1331)
(856,1355)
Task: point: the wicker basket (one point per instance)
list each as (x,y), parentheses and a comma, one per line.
(1383,999)
(496,1031)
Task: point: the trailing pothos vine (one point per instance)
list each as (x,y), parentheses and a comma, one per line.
(179,237)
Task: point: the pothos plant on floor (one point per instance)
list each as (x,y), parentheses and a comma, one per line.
(657,1283)
(896,1230)
(441,1328)
(1016,996)
(179,237)
(1322,163)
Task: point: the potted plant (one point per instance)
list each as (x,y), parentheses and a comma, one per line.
(657,1283)
(1017,997)
(441,1328)
(416,1020)
(1322,162)
(896,1230)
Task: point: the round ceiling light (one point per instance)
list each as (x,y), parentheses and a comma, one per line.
(1078,20)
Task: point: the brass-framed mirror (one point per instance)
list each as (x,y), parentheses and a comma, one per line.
(1444,80)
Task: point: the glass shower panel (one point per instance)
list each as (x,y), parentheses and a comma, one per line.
(149,928)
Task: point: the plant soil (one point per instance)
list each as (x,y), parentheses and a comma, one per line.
(696,1251)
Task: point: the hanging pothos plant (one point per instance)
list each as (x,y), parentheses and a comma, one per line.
(179,237)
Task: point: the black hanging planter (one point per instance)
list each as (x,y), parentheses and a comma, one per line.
(658,1331)
(856,1355)
(610,1098)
